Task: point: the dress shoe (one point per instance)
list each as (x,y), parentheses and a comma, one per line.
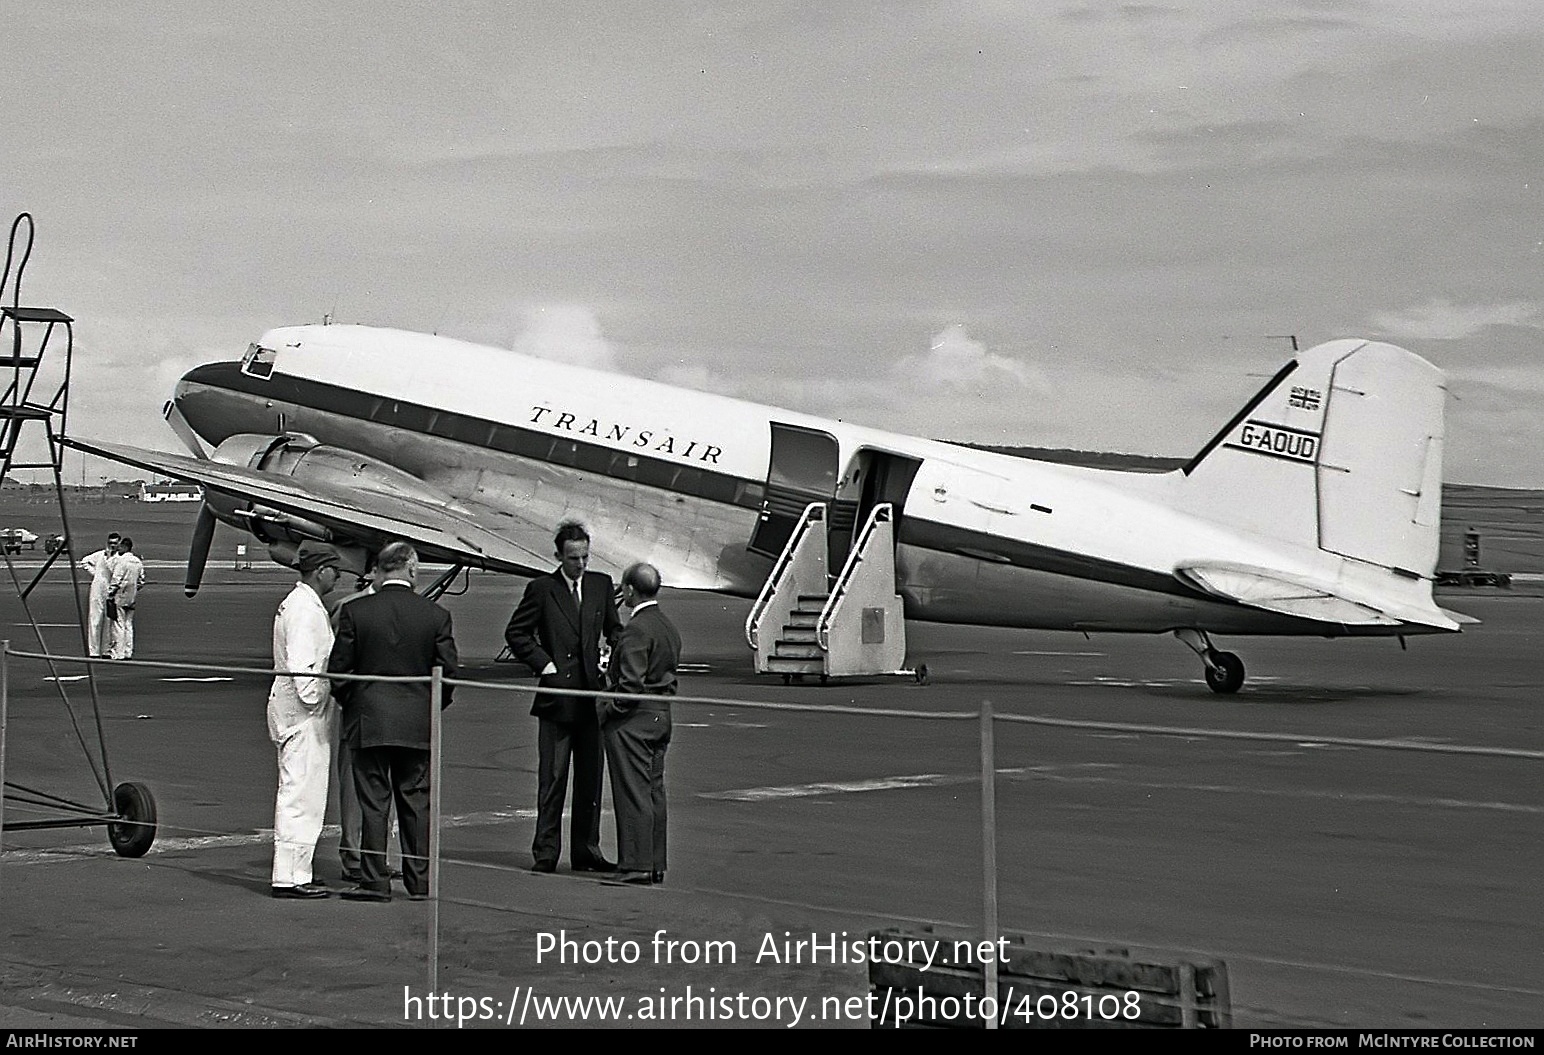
(364,893)
(353,877)
(417,897)
(659,877)
(544,866)
(303,892)
(595,864)
(636,878)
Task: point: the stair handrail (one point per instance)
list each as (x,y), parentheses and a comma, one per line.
(813,513)
(881,513)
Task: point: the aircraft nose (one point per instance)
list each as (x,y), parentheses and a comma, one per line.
(189,412)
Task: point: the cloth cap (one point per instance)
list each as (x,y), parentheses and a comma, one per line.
(314,555)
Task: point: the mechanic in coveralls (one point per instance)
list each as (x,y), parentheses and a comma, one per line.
(128,577)
(99,627)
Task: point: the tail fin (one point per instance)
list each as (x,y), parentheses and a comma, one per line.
(1341,450)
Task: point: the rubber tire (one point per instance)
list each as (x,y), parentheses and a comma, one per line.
(134,803)
(1229,678)
(921,674)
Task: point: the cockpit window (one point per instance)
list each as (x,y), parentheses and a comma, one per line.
(259,361)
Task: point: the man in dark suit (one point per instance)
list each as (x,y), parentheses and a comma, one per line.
(636,727)
(394,633)
(557,630)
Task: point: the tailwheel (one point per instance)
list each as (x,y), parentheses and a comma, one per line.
(132,835)
(1224,672)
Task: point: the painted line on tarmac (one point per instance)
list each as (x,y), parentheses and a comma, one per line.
(198,679)
(1050,773)
(834,787)
(1348,797)
(850,787)
(56,854)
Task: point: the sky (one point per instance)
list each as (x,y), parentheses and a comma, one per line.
(1079,224)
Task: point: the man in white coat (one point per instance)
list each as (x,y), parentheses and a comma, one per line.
(128,576)
(99,628)
(302,721)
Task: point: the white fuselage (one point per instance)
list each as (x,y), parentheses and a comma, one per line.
(678,477)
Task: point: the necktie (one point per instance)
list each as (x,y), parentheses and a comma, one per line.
(578,601)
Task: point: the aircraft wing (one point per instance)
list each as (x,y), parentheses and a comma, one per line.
(439,532)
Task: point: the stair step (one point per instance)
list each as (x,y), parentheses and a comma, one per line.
(796,650)
(803,635)
(803,619)
(818,599)
(784,665)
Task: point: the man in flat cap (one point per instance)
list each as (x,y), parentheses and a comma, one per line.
(302,720)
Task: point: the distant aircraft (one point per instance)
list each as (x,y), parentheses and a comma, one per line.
(1314,511)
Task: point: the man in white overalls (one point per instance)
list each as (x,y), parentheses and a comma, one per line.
(302,721)
(128,578)
(98,626)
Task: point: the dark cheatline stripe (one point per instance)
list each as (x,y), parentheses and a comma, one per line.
(927,534)
(701,482)
(635,467)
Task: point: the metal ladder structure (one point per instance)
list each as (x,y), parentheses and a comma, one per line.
(807,621)
(35,407)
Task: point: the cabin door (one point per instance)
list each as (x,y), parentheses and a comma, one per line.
(802,469)
(873,477)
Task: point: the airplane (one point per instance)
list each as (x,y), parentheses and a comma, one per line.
(1314,511)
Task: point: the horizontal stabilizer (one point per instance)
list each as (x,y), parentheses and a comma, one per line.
(1296,595)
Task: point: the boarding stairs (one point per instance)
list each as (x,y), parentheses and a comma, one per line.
(807,621)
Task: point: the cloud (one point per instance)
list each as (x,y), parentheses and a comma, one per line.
(565,333)
(698,378)
(954,360)
(1440,319)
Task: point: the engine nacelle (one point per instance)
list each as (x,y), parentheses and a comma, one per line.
(355,559)
(302,457)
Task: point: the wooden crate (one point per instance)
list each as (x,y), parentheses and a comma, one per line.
(1044,986)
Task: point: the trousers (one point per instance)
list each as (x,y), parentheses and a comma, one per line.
(635,753)
(305,758)
(122,634)
(383,775)
(557,743)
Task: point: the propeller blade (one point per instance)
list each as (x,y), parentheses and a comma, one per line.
(183,430)
(198,552)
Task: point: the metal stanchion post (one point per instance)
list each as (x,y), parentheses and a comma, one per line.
(989,858)
(5,700)
(436,693)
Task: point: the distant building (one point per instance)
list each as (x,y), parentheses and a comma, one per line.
(170,493)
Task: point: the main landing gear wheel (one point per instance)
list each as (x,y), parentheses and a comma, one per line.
(920,673)
(1224,672)
(132,836)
